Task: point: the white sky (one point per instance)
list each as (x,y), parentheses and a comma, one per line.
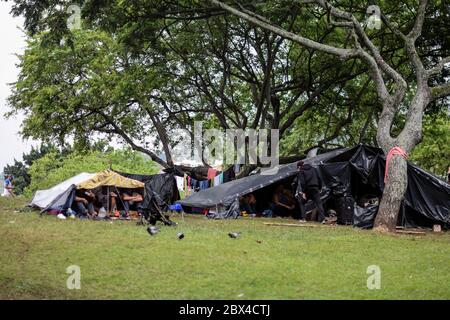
(12,42)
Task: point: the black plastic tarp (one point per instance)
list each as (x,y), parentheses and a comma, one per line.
(360,170)
(160,189)
(364,217)
(428,195)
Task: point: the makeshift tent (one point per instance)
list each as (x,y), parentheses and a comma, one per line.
(355,172)
(61,196)
(160,191)
(43,198)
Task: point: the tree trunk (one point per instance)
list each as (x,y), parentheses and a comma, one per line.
(397,181)
(394,191)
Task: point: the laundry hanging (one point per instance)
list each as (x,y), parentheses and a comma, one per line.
(211,173)
(218,179)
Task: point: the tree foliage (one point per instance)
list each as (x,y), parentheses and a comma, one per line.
(433,153)
(169,62)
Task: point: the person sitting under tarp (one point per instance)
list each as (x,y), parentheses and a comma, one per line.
(101,201)
(83,203)
(109,199)
(131,198)
(248,204)
(127,199)
(283,202)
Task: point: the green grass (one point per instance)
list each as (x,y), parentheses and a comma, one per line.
(120,260)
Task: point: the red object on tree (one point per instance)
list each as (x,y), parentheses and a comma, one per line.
(395,151)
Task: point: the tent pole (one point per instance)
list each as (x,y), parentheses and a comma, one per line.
(109,199)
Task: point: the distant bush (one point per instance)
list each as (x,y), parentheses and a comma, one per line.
(432,154)
(54,168)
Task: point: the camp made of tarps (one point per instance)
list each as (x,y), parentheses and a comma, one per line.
(61,196)
(353,173)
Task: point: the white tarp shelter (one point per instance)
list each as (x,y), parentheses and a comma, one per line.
(43,198)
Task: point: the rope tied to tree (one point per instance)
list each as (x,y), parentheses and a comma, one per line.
(395,151)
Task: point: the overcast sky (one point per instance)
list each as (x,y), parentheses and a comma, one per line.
(12,42)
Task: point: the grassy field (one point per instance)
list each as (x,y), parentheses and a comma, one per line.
(120,260)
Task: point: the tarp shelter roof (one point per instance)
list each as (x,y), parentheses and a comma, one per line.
(225,193)
(109,178)
(43,198)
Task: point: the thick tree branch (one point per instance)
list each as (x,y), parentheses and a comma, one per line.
(380,63)
(441,91)
(263,23)
(438,67)
(418,24)
(117,130)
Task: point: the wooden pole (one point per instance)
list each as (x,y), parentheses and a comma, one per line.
(290,225)
(108,199)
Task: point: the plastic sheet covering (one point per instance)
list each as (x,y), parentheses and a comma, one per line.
(226,193)
(160,190)
(365,217)
(232,212)
(344,209)
(427,195)
(43,198)
(110,178)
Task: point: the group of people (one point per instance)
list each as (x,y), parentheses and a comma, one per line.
(100,203)
(284,203)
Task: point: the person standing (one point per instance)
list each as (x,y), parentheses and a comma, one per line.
(8,192)
(309,185)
